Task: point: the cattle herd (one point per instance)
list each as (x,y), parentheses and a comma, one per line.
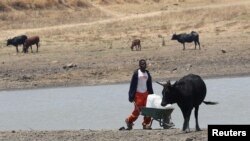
(29,41)
(25,41)
(182,38)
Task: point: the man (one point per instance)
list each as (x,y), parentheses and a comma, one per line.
(140,88)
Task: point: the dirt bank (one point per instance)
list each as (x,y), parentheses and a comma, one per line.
(105,135)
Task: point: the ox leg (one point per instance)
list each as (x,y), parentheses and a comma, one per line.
(140,47)
(23,49)
(186,114)
(195,43)
(37,47)
(183,46)
(199,44)
(196,118)
(17,49)
(31,48)
(27,49)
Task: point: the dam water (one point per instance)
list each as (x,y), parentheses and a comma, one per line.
(107,106)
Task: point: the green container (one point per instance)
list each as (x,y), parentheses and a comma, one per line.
(163,116)
(156,113)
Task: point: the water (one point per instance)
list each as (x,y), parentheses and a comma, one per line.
(107,106)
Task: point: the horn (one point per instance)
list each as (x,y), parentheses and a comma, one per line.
(168,82)
(159,83)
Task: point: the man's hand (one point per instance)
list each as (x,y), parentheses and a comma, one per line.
(131,100)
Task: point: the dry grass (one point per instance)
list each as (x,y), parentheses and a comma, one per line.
(6,5)
(201,17)
(207,20)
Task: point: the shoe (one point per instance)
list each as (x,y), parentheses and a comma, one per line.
(129,125)
(146,127)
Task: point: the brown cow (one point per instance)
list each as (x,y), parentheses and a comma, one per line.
(29,42)
(137,44)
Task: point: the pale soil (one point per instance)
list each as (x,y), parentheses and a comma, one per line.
(104,135)
(97,40)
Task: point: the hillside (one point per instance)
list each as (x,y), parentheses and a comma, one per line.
(11,5)
(97,38)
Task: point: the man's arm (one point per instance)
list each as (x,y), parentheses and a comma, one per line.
(149,84)
(133,87)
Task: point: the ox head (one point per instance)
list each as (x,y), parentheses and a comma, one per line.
(174,37)
(9,41)
(167,93)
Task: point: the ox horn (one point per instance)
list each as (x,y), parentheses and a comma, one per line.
(159,83)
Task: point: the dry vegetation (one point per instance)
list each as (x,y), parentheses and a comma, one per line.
(8,5)
(97,37)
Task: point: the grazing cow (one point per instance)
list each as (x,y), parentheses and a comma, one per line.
(182,38)
(18,40)
(31,41)
(137,44)
(189,92)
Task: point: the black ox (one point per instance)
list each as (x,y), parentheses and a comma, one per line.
(184,37)
(18,40)
(189,92)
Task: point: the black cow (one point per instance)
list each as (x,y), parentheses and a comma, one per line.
(184,37)
(18,40)
(189,92)
(137,44)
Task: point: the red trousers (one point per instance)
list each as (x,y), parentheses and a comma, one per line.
(140,101)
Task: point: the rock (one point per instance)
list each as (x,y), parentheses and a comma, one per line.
(68,66)
(223,51)
(26,77)
(189,139)
(188,66)
(174,70)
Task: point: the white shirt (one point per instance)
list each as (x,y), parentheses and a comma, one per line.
(142,81)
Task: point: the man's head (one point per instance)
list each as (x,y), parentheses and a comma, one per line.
(142,65)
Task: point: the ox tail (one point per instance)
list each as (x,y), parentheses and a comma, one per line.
(210,102)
